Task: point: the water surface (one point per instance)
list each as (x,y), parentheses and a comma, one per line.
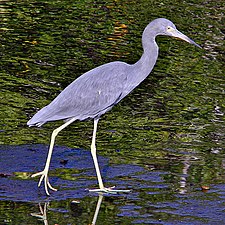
(165,141)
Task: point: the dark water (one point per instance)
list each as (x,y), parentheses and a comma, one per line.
(165,141)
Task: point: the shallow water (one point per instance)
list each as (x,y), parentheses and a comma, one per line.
(165,141)
(157,196)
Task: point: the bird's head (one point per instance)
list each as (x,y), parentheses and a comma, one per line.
(166,27)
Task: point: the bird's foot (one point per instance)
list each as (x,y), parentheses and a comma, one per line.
(109,190)
(44,176)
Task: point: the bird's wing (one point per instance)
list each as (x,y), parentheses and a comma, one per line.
(92,94)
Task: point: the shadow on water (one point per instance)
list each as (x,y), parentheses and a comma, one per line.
(157,197)
(72,170)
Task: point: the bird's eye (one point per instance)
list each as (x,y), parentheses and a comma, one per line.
(168,28)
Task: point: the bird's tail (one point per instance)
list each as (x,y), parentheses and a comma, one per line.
(39,118)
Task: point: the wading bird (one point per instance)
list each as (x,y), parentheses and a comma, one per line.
(98,90)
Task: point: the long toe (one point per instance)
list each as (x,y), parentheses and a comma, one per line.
(37,174)
(50,186)
(44,177)
(109,190)
(40,180)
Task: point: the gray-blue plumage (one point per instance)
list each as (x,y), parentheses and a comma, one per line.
(89,96)
(98,90)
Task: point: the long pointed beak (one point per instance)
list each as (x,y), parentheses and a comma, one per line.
(178,34)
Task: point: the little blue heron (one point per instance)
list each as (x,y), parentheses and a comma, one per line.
(98,90)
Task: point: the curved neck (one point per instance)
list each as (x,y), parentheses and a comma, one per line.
(141,69)
(145,64)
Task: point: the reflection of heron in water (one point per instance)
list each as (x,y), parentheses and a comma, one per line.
(98,90)
(43,211)
(100,197)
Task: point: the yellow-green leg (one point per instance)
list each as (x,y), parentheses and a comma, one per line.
(44,173)
(94,156)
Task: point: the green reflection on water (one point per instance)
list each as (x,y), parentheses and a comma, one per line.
(46,45)
(177,110)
